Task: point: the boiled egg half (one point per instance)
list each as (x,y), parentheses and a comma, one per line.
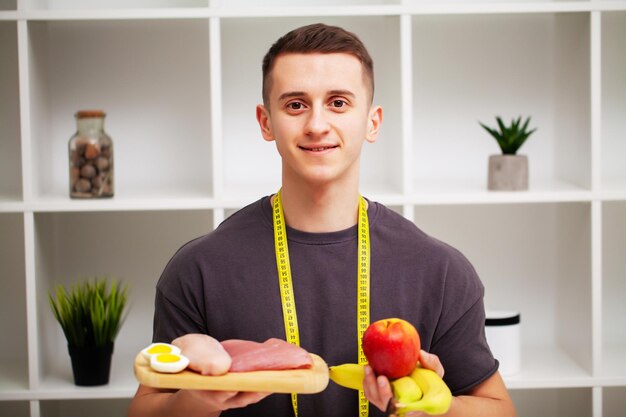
(157,348)
(168,362)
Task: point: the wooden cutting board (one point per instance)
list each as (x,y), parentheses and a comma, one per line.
(299,381)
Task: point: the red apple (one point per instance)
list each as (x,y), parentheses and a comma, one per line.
(392,347)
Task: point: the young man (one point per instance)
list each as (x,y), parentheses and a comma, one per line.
(318,87)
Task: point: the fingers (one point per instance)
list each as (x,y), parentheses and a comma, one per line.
(226,400)
(432,362)
(219,398)
(377,389)
(243,399)
(229,399)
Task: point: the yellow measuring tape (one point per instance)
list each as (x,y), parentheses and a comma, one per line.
(286,286)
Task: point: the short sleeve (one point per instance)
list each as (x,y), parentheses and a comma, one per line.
(179,306)
(459,340)
(170,321)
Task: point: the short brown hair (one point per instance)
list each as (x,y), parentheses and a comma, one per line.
(318,38)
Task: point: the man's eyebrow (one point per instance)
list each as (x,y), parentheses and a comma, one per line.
(341,93)
(291,94)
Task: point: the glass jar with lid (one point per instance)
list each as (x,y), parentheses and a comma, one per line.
(91,157)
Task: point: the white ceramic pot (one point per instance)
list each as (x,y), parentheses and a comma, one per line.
(502,329)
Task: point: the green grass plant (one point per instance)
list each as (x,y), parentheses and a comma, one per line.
(512,137)
(90,313)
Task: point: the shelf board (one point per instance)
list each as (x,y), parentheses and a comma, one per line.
(13,379)
(418,8)
(108,14)
(200,12)
(124,201)
(59,383)
(11,204)
(474,191)
(478,7)
(425,192)
(548,367)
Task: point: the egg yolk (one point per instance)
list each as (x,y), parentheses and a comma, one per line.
(159,349)
(166,357)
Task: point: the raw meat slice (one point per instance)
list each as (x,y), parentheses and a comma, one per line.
(273,354)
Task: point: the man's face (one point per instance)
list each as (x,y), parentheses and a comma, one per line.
(319,115)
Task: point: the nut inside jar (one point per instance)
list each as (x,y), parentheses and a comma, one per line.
(91,158)
(91,171)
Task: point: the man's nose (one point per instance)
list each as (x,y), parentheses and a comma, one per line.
(317,122)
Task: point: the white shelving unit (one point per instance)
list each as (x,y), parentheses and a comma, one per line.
(179,81)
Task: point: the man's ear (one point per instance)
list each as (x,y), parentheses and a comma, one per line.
(375,119)
(263,117)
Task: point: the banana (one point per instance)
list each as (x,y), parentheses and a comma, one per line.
(349,375)
(436,397)
(422,390)
(406,390)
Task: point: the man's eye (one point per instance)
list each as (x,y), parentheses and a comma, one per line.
(295,105)
(338,103)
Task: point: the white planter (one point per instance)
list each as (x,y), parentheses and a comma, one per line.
(502,330)
(508,173)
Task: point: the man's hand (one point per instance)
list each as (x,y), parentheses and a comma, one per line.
(218,401)
(378,390)
(206,356)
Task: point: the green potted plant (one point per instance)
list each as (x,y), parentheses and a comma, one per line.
(509,171)
(90,314)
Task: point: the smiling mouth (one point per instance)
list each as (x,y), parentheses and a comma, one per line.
(318,149)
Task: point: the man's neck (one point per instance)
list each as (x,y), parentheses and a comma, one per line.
(319,209)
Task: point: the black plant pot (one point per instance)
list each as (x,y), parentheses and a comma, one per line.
(91,365)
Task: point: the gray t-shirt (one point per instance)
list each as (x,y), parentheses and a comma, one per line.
(225,284)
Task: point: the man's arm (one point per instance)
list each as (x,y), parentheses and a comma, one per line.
(152,402)
(488,399)
(156,403)
(207,357)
